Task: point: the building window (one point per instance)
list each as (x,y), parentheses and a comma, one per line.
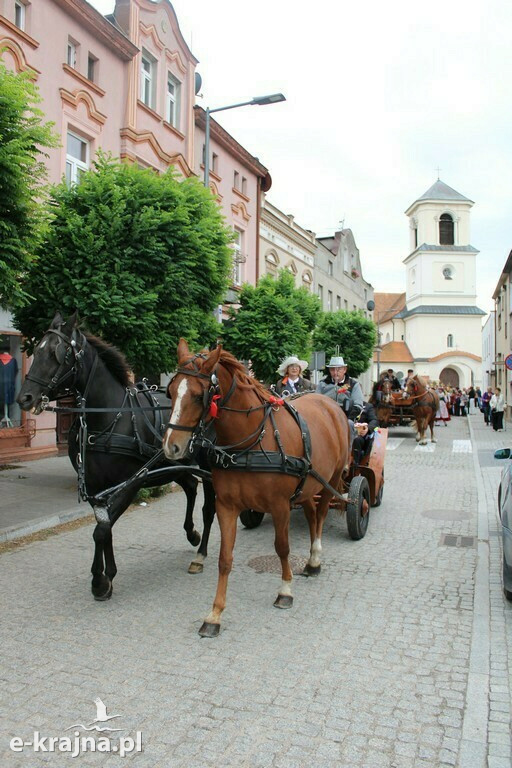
(147,79)
(321,294)
(346,305)
(449,340)
(338,303)
(272,263)
(19,14)
(415,237)
(307,279)
(215,163)
(329,301)
(330,269)
(173,100)
(244,185)
(71,54)
(91,68)
(236,180)
(446,230)
(77,158)
(238,256)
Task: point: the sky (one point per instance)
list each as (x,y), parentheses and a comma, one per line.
(378,97)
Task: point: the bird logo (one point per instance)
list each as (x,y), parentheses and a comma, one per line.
(99,722)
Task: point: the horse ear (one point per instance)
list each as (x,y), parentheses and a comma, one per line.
(57,320)
(183,350)
(211,361)
(71,322)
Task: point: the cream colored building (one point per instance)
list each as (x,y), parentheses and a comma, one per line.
(284,244)
(503,313)
(439,327)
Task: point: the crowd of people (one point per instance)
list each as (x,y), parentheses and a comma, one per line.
(453,401)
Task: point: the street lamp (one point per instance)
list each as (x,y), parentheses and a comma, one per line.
(260,101)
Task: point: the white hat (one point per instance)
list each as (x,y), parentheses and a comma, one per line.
(292,360)
(336,361)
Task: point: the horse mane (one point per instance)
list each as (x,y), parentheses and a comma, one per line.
(114,360)
(421,381)
(238,371)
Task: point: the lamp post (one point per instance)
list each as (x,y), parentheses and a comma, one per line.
(260,101)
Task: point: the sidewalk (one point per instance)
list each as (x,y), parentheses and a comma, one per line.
(38,494)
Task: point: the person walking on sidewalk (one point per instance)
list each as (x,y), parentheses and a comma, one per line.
(497,408)
(485,407)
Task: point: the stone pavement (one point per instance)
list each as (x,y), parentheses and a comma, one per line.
(397,656)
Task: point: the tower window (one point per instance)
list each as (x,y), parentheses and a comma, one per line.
(449,340)
(446,230)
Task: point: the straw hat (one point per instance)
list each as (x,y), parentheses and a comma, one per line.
(292,360)
(336,361)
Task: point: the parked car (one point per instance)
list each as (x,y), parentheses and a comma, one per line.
(505,510)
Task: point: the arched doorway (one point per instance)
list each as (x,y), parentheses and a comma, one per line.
(449,377)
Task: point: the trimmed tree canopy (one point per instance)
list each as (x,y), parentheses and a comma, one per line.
(275,319)
(352,332)
(22,171)
(143,257)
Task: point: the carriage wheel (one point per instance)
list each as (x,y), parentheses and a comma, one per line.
(250,518)
(358,507)
(378,498)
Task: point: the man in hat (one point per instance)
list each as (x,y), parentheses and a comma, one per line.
(390,376)
(292,381)
(341,388)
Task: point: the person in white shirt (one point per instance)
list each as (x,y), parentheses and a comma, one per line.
(497,405)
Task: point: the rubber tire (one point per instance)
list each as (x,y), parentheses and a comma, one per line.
(250,518)
(357,524)
(378,500)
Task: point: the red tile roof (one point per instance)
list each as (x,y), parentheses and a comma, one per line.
(394,352)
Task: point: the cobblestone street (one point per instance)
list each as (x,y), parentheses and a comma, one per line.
(396,656)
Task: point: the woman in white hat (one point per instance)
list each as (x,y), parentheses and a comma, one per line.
(292,381)
(340,387)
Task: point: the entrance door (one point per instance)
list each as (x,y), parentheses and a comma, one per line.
(449,377)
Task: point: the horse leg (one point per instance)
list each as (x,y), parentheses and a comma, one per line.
(432,438)
(189,484)
(196,566)
(101,586)
(227,517)
(313,565)
(284,597)
(422,426)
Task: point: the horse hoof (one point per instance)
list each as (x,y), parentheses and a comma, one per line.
(311,570)
(423,442)
(209,630)
(417,439)
(195,567)
(105,596)
(283,601)
(433,440)
(194,538)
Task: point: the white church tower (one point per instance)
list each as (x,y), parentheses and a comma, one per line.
(438,332)
(443,325)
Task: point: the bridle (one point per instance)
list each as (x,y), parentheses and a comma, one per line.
(69,353)
(211,397)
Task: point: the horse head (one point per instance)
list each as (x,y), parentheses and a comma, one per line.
(191,390)
(386,391)
(55,363)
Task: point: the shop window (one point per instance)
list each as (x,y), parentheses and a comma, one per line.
(10,380)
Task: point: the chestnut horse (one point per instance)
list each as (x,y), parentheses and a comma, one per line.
(254,427)
(426,405)
(384,404)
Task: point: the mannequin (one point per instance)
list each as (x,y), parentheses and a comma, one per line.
(8,373)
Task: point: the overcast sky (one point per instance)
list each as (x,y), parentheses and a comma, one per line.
(379,95)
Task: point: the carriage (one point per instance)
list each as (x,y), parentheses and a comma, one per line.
(395,410)
(362,488)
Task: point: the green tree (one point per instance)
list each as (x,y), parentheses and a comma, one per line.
(23,135)
(275,319)
(352,332)
(143,257)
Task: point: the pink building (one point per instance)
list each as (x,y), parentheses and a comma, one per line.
(125,83)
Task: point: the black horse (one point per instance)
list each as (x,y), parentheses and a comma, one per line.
(109,448)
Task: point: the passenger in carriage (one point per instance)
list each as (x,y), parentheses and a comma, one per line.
(341,388)
(292,381)
(365,424)
(390,376)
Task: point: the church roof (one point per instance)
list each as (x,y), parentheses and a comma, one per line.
(387,305)
(394,352)
(448,248)
(441,191)
(439,309)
